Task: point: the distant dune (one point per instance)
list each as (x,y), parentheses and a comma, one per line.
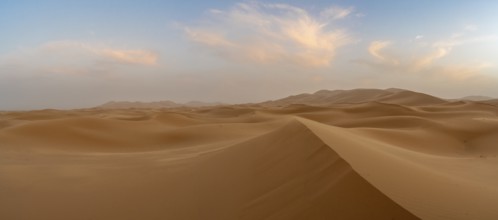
(344,154)
(491,101)
(326,97)
(476,98)
(158,104)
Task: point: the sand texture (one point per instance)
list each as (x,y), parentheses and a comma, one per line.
(349,154)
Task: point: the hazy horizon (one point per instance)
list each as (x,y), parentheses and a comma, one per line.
(59,54)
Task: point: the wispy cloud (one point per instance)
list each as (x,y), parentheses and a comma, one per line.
(272,33)
(376,49)
(428,59)
(419,37)
(131,56)
(101,52)
(409,59)
(336,12)
(76,58)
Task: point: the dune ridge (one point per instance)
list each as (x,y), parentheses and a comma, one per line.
(382,154)
(354,96)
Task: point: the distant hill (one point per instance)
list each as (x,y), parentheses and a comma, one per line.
(321,98)
(158,104)
(326,97)
(476,98)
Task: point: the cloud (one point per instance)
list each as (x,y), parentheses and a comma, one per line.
(101,52)
(375,49)
(423,58)
(77,58)
(208,37)
(428,59)
(131,56)
(336,13)
(272,33)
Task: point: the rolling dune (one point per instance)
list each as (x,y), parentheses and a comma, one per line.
(359,154)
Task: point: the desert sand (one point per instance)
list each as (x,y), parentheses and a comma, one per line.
(348,154)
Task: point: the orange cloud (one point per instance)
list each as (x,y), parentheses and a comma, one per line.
(376,49)
(272,33)
(100,52)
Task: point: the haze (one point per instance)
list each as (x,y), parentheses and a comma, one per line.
(68,54)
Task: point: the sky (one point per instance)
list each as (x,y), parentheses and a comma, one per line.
(74,54)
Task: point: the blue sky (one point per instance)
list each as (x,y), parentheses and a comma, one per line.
(69,54)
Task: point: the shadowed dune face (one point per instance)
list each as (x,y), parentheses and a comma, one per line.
(370,160)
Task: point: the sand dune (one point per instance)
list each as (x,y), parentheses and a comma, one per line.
(362,154)
(158,104)
(327,97)
(476,98)
(492,102)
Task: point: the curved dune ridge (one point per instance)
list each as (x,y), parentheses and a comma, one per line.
(410,157)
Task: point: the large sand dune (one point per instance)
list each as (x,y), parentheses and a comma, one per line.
(359,154)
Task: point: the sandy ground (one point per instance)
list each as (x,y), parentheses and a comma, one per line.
(370,160)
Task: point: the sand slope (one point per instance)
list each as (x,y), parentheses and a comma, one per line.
(435,187)
(407,158)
